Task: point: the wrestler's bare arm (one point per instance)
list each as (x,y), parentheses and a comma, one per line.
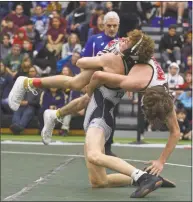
(174,130)
(133,82)
(96,62)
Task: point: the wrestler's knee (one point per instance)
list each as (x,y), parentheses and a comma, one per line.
(85,100)
(94,157)
(96,183)
(96,75)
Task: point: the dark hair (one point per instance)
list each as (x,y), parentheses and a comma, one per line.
(181,110)
(8,19)
(69,70)
(172,26)
(188,71)
(39,6)
(157,105)
(7,35)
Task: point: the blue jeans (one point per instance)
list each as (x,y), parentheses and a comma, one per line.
(23,115)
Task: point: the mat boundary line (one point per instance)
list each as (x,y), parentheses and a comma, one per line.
(81,143)
(82,156)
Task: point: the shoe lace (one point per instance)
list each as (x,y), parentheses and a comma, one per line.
(35,92)
(60,120)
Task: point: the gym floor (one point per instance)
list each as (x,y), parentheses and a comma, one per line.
(34,172)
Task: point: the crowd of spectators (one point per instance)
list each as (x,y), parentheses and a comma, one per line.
(46,38)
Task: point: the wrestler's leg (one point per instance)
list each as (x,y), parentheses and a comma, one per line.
(97,174)
(23,84)
(74,106)
(60,81)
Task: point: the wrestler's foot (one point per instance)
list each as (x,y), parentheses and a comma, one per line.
(50,119)
(166,183)
(17,93)
(147,184)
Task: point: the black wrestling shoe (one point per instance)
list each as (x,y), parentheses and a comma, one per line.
(147,184)
(166,183)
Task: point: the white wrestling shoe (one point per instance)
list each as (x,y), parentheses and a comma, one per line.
(50,119)
(17,93)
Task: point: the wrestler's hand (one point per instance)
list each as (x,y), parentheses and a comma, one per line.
(155,168)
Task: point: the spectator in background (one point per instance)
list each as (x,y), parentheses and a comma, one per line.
(42,4)
(53,6)
(55,36)
(20,37)
(27,48)
(52,98)
(45,62)
(68,98)
(189,63)
(25,66)
(173,77)
(72,63)
(185,127)
(6,83)
(72,45)
(17,17)
(13,60)
(10,28)
(41,22)
(5,46)
(99,29)
(188,80)
(129,17)
(187,47)
(5,8)
(108,6)
(56,14)
(80,20)
(170,46)
(72,5)
(174,6)
(31,33)
(93,21)
(27,6)
(185,100)
(27,109)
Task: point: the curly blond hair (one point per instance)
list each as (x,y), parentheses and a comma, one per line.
(146,48)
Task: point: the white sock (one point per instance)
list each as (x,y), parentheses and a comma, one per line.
(137,174)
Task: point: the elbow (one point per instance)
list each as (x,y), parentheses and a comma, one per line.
(176,134)
(97,75)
